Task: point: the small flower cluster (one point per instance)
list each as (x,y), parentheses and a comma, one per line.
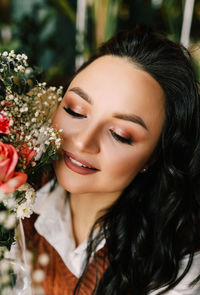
(28,143)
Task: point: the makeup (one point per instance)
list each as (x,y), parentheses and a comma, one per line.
(78,165)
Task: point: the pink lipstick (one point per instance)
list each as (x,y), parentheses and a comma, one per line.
(78,165)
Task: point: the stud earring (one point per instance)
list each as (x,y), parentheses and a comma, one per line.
(144,170)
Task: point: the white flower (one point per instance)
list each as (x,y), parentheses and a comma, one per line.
(10,203)
(24,187)
(11,97)
(28,137)
(21,68)
(24,56)
(38,275)
(24,210)
(3,196)
(53,88)
(10,221)
(30,196)
(12,53)
(5,53)
(18,57)
(3,216)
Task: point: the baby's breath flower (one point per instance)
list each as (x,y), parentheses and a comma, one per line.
(11,97)
(5,53)
(30,118)
(18,57)
(21,68)
(24,56)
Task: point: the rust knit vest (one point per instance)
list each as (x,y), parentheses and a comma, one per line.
(59,280)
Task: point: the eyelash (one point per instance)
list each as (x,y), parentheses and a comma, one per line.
(115,135)
(74,114)
(120,138)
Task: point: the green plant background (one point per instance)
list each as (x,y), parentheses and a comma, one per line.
(46,29)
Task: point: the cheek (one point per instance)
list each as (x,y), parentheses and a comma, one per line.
(57,121)
(127,164)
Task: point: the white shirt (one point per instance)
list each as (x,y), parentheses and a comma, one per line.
(55,225)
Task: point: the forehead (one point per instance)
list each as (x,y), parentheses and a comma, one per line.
(117,84)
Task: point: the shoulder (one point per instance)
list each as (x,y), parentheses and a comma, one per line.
(184,288)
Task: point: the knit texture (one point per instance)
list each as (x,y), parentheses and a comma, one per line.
(59,280)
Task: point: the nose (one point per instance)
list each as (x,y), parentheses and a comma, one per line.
(87,140)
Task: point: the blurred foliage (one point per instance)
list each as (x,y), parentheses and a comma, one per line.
(65,8)
(48,34)
(104,14)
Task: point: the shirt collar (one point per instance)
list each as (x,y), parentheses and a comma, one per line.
(55,225)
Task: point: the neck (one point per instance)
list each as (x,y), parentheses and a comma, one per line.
(86,209)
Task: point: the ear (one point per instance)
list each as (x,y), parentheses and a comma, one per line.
(149,163)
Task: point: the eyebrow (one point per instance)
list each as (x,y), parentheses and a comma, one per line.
(132,118)
(82,94)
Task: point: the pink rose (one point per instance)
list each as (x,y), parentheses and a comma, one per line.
(4,124)
(27,153)
(10,180)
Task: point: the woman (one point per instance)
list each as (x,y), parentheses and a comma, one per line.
(130,164)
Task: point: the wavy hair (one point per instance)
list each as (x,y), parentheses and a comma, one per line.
(155,221)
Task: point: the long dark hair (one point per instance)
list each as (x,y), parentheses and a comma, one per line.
(155,221)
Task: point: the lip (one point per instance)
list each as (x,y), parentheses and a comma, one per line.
(78,169)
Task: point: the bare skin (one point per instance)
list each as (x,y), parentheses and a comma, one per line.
(112,116)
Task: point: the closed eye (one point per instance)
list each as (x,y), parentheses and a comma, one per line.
(74,114)
(120,138)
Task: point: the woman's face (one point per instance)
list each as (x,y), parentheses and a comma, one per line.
(112,116)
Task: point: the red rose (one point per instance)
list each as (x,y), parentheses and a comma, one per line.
(4,124)
(10,180)
(27,153)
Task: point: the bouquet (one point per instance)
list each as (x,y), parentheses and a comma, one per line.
(28,145)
